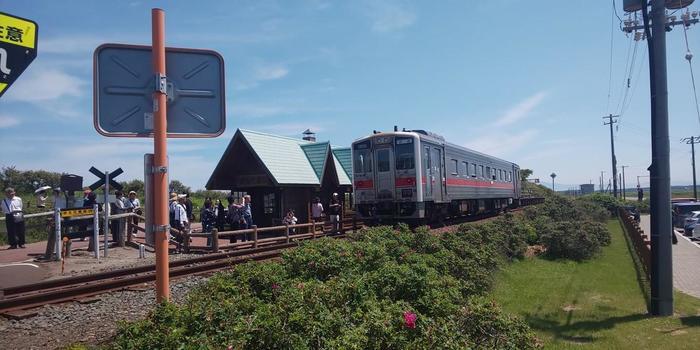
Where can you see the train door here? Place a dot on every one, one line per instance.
(437, 173)
(427, 174)
(385, 173)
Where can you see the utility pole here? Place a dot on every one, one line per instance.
(692, 141)
(602, 184)
(610, 122)
(660, 170)
(624, 186)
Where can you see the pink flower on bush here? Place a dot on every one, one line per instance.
(409, 318)
(275, 286)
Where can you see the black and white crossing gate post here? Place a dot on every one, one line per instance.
(105, 179)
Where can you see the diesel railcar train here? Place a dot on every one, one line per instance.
(416, 176)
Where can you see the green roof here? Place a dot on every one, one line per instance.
(317, 153)
(344, 157)
(283, 157)
(288, 161)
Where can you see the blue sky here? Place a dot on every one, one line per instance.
(523, 80)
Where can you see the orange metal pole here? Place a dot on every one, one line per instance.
(160, 159)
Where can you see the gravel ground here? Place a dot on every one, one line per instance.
(57, 326)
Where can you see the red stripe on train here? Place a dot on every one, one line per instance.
(477, 183)
(405, 181)
(364, 184)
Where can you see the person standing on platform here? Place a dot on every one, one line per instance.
(246, 214)
(189, 208)
(171, 208)
(132, 204)
(14, 218)
(334, 210)
(640, 194)
(317, 210)
(208, 218)
(117, 207)
(181, 221)
(233, 217)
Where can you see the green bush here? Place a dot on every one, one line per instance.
(355, 294)
(568, 240)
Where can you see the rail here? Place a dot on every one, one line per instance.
(640, 240)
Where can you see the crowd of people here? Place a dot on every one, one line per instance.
(235, 214)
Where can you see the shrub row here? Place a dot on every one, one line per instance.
(381, 289)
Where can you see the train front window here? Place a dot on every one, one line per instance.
(363, 158)
(383, 164)
(405, 158)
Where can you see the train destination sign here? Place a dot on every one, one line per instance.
(18, 47)
(124, 84)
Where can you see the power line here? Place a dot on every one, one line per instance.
(612, 30)
(689, 57)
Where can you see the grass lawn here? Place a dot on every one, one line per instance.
(594, 305)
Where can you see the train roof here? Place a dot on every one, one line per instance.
(431, 136)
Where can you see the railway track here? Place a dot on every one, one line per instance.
(28, 296)
(68, 289)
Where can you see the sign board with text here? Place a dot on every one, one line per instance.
(18, 47)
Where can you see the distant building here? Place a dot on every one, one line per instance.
(282, 173)
(587, 189)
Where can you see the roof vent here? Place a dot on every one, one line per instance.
(309, 136)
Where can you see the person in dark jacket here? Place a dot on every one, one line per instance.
(189, 208)
(208, 219)
(334, 210)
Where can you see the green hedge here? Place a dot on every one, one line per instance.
(382, 289)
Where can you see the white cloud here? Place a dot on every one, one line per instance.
(500, 145)
(289, 129)
(260, 74)
(45, 84)
(521, 110)
(271, 73)
(388, 16)
(7, 121)
(261, 111)
(74, 44)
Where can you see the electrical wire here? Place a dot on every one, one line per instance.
(689, 57)
(612, 32)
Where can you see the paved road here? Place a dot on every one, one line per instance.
(686, 262)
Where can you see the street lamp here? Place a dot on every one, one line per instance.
(553, 175)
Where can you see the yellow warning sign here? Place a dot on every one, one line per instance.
(17, 31)
(18, 47)
(76, 212)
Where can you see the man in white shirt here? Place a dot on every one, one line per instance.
(14, 218)
(133, 205)
(181, 221)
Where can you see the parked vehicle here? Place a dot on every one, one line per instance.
(682, 211)
(633, 211)
(690, 223)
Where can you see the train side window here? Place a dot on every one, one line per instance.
(454, 169)
(465, 165)
(510, 176)
(473, 170)
(488, 172)
(481, 171)
(500, 175)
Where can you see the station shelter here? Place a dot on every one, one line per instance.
(280, 173)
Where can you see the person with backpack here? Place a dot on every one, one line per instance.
(208, 219)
